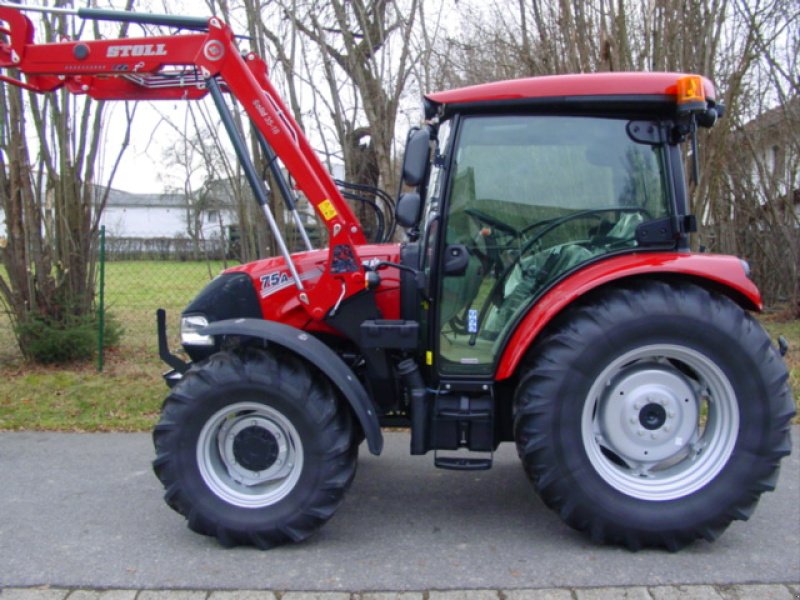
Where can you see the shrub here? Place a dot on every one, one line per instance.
(46, 341)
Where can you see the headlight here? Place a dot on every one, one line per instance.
(190, 326)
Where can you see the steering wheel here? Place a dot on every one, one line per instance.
(491, 257)
(482, 217)
(550, 225)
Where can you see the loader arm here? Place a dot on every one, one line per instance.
(187, 67)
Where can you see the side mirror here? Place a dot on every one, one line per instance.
(407, 210)
(417, 155)
(707, 118)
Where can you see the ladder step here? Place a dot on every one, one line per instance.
(462, 464)
(475, 415)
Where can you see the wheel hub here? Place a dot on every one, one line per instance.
(649, 413)
(653, 416)
(250, 454)
(255, 448)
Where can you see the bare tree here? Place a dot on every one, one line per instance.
(355, 38)
(750, 50)
(51, 205)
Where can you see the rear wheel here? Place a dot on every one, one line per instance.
(653, 415)
(254, 449)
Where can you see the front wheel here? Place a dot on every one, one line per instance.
(253, 448)
(653, 414)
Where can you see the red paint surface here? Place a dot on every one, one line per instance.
(281, 303)
(556, 86)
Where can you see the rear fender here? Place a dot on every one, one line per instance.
(724, 274)
(317, 354)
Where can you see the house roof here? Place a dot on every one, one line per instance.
(220, 197)
(776, 118)
(121, 199)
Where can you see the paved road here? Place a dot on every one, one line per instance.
(85, 511)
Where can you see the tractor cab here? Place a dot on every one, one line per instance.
(520, 193)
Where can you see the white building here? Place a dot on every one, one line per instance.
(145, 215)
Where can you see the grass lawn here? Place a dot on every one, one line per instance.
(127, 395)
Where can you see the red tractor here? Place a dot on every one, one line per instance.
(545, 294)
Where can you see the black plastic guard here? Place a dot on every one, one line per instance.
(319, 355)
(666, 230)
(163, 348)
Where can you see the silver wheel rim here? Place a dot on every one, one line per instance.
(660, 422)
(243, 478)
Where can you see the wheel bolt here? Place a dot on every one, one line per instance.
(637, 405)
(640, 433)
(652, 436)
(666, 428)
(633, 420)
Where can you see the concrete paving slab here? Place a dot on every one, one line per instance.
(391, 596)
(543, 594)
(618, 593)
(464, 595)
(172, 595)
(242, 595)
(684, 592)
(32, 594)
(756, 592)
(315, 596)
(103, 595)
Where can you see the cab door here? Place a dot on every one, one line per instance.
(533, 198)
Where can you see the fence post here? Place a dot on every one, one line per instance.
(101, 308)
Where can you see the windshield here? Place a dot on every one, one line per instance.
(527, 169)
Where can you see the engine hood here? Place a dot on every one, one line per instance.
(276, 291)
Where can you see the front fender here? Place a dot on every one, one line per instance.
(319, 355)
(725, 274)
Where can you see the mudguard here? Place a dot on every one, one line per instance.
(725, 274)
(318, 354)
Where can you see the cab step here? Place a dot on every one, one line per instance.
(457, 463)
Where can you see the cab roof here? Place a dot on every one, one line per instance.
(596, 87)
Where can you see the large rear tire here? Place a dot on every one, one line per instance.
(653, 415)
(254, 449)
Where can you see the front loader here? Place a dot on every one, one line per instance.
(545, 293)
